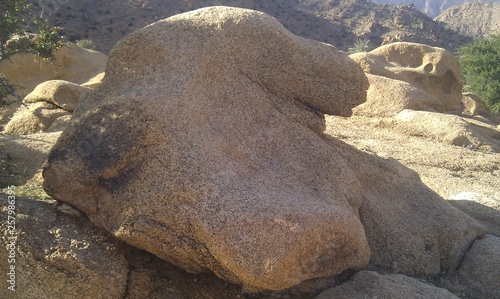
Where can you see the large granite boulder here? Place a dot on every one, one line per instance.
(204, 146)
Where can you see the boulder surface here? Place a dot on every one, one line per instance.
(368, 284)
(58, 256)
(204, 146)
(434, 70)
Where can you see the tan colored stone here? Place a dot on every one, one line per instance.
(368, 284)
(450, 129)
(480, 273)
(387, 97)
(94, 82)
(410, 229)
(206, 149)
(32, 119)
(59, 256)
(203, 148)
(434, 70)
(483, 208)
(63, 94)
(21, 157)
(473, 105)
(71, 63)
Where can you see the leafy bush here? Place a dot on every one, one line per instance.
(481, 70)
(16, 19)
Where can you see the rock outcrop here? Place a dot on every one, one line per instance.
(433, 70)
(480, 271)
(50, 101)
(474, 19)
(206, 149)
(58, 256)
(417, 89)
(62, 94)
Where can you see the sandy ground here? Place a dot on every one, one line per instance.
(447, 169)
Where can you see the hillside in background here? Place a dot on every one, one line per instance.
(472, 19)
(430, 7)
(336, 22)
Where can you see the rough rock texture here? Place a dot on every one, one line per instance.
(387, 97)
(412, 86)
(203, 149)
(153, 278)
(50, 101)
(58, 256)
(368, 284)
(479, 274)
(21, 157)
(72, 63)
(206, 151)
(474, 107)
(450, 129)
(63, 94)
(431, 69)
(94, 82)
(483, 208)
(396, 207)
(33, 118)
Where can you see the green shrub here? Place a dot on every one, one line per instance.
(86, 44)
(360, 45)
(481, 70)
(16, 18)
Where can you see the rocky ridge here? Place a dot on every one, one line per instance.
(339, 23)
(432, 8)
(473, 19)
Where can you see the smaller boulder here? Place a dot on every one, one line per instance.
(33, 118)
(434, 70)
(71, 63)
(480, 271)
(22, 157)
(63, 94)
(387, 97)
(368, 284)
(48, 102)
(474, 105)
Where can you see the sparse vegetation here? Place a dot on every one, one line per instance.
(86, 44)
(360, 45)
(481, 70)
(16, 20)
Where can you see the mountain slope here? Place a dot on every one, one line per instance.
(472, 19)
(430, 7)
(338, 22)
